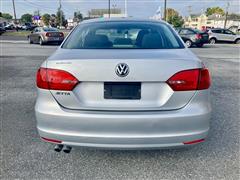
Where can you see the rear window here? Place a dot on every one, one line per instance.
(217, 31)
(50, 29)
(197, 31)
(123, 35)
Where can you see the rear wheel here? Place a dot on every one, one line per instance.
(237, 41)
(212, 41)
(188, 43)
(29, 40)
(41, 41)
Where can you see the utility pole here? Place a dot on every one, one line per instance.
(165, 10)
(189, 18)
(14, 12)
(226, 15)
(60, 10)
(109, 8)
(189, 10)
(126, 13)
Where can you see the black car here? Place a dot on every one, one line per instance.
(193, 37)
(2, 30)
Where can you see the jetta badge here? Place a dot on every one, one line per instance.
(122, 70)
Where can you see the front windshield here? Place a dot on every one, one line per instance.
(123, 35)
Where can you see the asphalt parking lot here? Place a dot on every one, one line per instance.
(25, 156)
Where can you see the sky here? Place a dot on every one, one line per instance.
(136, 8)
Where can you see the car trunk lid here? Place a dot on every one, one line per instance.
(150, 69)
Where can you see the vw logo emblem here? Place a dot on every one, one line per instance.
(122, 70)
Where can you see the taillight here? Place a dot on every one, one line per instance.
(204, 81)
(55, 79)
(198, 36)
(48, 34)
(61, 34)
(189, 80)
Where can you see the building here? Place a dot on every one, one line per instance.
(97, 13)
(196, 21)
(201, 21)
(71, 23)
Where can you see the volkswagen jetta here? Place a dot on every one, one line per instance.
(122, 83)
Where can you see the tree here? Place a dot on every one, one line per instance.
(6, 16)
(174, 18)
(26, 18)
(46, 19)
(60, 17)
(214, 10)
(78, 16)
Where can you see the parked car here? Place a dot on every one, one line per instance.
(44, 35)
(193, 36)
(10, 27)
(2, 30)
(105, 87)
(28, 26)
(223, 35)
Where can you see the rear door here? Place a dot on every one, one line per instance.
(35, 35)
(218, 34)
(228, 35)
(186, 34)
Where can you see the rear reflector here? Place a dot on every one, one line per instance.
(189, 80)
(52, 140)
(194, 142)
(55, 79)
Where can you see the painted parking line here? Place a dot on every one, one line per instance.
(15, 42)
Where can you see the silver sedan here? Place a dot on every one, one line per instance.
(44, 35)
(122, 83)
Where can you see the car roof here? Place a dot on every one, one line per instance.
(105, 20)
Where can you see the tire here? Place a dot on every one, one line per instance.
(212, 41)
(29, 40)
(199, 45)
(41, 41)
(188, 43)
(237, 41)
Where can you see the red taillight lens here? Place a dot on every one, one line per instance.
(189, 80)
(198, 36)
(61, 34)
(204, 79)
(55, 79)
(48, 34)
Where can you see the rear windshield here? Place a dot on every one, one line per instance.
(50, 29)
(123, 35)
(198, 31)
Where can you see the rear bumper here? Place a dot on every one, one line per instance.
(129, 130)
(201, 41)
(53, 39)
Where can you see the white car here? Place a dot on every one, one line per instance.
(223, 35)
